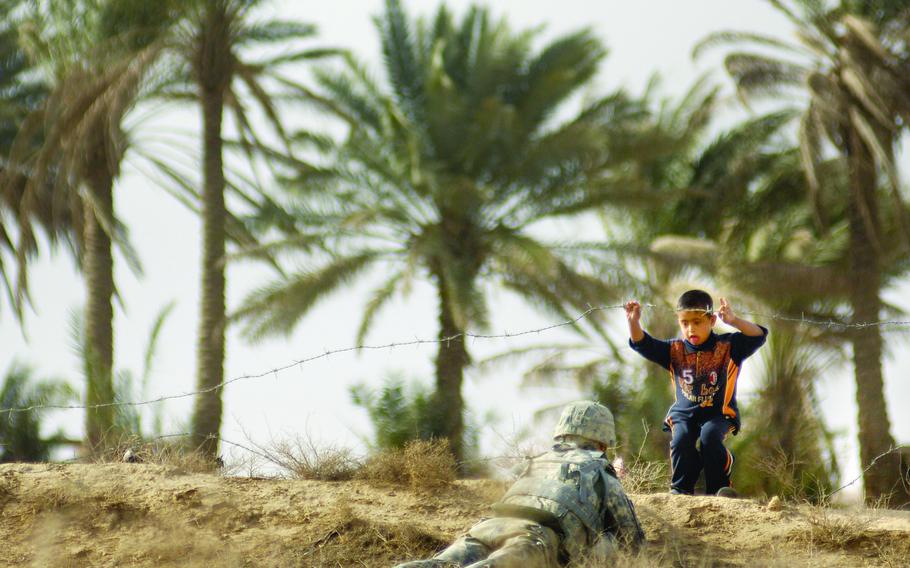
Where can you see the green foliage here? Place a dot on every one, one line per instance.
(639, 399)
(400, 412)
(787, 449)
(137, 23)
(128, 386)
(20, 94)
(21, 436)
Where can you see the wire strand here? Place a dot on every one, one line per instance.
(418, 342)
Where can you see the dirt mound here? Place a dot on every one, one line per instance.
(148, 515)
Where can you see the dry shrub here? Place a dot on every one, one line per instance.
(646, 477)
(826, 529)
(158, 452)
(385, 467)
(790, 478)
(429, 463)
(892, 553)
(422, 464)
(305, 459)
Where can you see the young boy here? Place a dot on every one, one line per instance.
(704, 367)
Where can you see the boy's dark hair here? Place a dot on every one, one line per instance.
(695, 300)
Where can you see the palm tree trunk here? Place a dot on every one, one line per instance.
(98, 267)
(874, 427)
(212, 74)
(451, 359)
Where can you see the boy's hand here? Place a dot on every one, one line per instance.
(633, 311)
(725, 312)
(726, 315)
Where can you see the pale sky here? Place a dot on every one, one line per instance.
(643, 37)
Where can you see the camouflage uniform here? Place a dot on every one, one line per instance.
(566, 505)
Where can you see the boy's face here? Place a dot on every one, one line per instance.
(695, 325)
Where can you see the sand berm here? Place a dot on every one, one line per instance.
(75, 515)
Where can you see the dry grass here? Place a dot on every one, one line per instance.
(303, 458)
(388, 544)
(646, 477)
(828, 529)
(891, 554)
(158, 452)
(422, 464)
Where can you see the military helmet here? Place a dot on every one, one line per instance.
(589, 420)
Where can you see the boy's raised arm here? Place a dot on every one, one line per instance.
(633, 316)
(729, 317)
(648, 347)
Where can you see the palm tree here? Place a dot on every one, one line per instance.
(445, 175)
(214, 39)
(20, 96)
(95, 71)
(21, 438)
(851, 64)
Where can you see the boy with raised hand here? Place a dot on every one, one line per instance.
(704, 367)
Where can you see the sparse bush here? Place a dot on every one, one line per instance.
(162, 451)
(429, 463)
(386, 467)
(422, 464)
(829, 530)
(646, 476)
(403, 412)
(792, 479)
(305, 459)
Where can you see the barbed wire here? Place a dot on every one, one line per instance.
(297, 363)
(891, 450)
(418, 342)
(826, 323)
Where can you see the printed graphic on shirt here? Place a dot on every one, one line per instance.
(700, 376)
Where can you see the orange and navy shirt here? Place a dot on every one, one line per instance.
(704, 375)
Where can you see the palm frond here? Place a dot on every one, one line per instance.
(273, 31)
(379, 298)
(757, 74)
(276, 308)
(727, 38)
(400, 54)
(558, 71)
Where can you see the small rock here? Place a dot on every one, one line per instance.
(187, 496)
(774, 504)
(130, 457)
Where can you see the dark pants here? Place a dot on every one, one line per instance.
(687, 460)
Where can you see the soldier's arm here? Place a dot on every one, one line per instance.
(617, 505)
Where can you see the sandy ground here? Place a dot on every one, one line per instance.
(149, 515)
